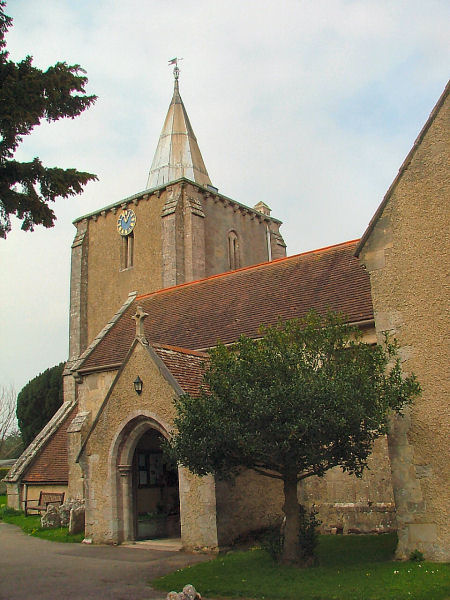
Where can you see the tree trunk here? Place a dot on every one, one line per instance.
(291, 550)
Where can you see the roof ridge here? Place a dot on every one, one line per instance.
(247, 268)
(180, 349)
(75, 364)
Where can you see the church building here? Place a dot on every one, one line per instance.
(159, 277)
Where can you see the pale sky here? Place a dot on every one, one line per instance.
(309, 106)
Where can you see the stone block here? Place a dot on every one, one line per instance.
(422, 532)
(64, 513)
(76, 521)
(51, 519)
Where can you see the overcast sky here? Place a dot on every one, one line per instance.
(310, 106)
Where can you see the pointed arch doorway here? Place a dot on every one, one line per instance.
(145, 494)
(156, 498)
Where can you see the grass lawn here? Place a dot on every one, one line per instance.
(32, 525)
(350, 568)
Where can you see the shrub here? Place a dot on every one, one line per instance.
(308, 532)
(273, 541)
(308, 535)
(7, 510)
(416, 556)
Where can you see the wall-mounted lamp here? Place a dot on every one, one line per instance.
(138, 385)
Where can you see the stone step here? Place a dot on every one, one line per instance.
(164, 544)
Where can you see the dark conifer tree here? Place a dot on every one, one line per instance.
(38, 401)
(27, 96)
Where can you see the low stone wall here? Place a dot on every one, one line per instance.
(357, 517)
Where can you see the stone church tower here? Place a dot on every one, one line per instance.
(179, 229)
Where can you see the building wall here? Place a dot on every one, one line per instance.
(345, 503)
(107, 467)
(251, 229)
(249, 502)
(109, 283)
(91, 391)
(181, 235)
(348, 504)
(406, 255)
(33, 491)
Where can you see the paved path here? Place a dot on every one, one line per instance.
(31, 568)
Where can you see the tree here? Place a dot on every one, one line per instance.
(38, 401)
(29, 95)
(8, 428)
(12, 445)
(305, 397)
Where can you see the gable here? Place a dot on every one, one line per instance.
(165, 371)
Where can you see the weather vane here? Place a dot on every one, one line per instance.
(176, 70)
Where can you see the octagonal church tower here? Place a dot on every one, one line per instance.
(179, 229)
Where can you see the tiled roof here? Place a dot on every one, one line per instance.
(51, 463)
(187, 366)
(196, 315)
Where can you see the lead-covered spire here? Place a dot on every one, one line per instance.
(177, 154)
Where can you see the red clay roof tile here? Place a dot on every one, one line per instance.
(186, 366)
(196, 315)
(50, 465)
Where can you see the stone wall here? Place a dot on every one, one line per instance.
(406, 255)
(348, 504)
(247, 503)
(107, 459)
(345, 503)
(181, 235)
(108, 283)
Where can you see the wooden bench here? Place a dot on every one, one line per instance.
(45, 498)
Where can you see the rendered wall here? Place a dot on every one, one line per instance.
(251, 229)
(406, 255)
(33, 491)
(196, 225)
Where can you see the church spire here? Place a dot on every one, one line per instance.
(177, 154)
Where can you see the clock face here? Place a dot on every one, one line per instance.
(126, 221)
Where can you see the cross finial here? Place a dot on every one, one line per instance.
(139, 318)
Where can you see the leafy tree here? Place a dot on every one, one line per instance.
(8, 427)
(307, 396)
(27, 96)
(12, 446)
(38, 401)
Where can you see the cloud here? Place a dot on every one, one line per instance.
(308, 106)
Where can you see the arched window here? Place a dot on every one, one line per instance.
(234, 258)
